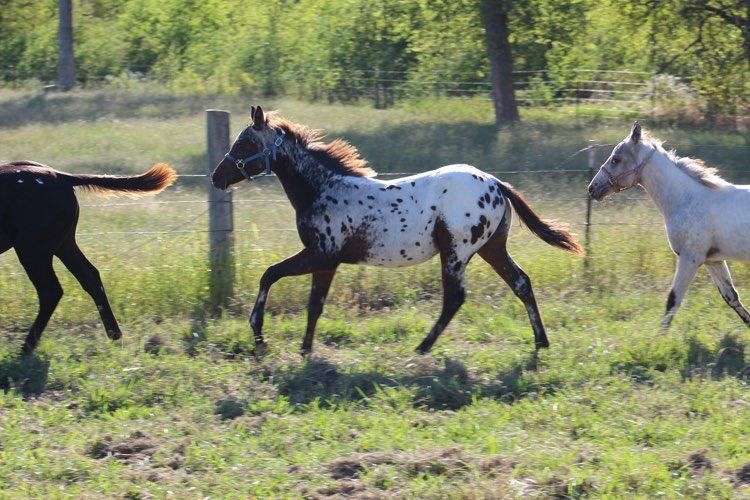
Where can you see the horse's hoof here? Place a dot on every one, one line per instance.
(114, 334)
(421, 350)
(542, 344)
(261, 349)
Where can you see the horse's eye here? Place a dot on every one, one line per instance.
(615, 160)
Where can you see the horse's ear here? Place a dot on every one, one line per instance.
(259, 118)
(635, 133)
(252, 111)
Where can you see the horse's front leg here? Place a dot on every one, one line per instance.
(687, 266)
(304, 262)
(321, 283)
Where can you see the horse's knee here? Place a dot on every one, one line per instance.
(315, 308)
(266, 280)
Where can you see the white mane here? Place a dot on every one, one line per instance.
(693, 167)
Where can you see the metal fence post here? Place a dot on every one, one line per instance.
(587, 227)
(220, 215)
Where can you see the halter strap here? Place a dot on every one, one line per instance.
(267, 154)
(613, 179)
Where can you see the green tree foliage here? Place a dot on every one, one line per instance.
(337, 49)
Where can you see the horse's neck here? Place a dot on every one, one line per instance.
(301, 177)
(667, 185)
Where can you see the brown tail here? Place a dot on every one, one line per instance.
(550, 231)
(159, 177)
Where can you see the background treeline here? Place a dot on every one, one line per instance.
(334, 48)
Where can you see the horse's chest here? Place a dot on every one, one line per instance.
(687, 234)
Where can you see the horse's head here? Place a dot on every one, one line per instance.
(251, 153)
(622, 170)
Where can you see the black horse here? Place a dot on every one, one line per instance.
(38, 218)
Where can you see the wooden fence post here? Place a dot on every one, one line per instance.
(220, 216)
(66, 69)
(587, 227)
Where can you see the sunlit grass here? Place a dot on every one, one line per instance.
(615, 408)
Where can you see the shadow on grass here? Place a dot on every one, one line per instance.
(727, 359)
(25, 374)
(448, 388)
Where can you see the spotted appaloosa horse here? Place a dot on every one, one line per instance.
(38, 218)
(345, 216)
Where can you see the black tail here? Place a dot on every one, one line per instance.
(159, 177)
(550, 231)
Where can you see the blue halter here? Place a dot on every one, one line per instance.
(266, 155)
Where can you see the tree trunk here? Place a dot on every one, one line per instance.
(66, 66)
(495, 18)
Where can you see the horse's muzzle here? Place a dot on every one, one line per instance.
(218, 180)
(596, 193)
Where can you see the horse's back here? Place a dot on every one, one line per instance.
(465, 199)
(36, 205)
(446, 173)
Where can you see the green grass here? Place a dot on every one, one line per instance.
(615, 408)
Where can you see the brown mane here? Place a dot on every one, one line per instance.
(338, 155)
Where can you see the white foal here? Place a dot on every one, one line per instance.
(707, 218)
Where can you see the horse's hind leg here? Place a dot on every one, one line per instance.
(88, 276)
(496, 255)
(719, 272)
(321, 283)
(454, 290)
(38, 267)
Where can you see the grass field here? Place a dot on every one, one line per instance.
(615, 408)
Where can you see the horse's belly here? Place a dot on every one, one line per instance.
(730, 251)
(401, 254)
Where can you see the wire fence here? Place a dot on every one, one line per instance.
(619, 90)
(197, 222)
(260, 202)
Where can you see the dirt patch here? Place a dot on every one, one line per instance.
(154, 345)
(699, 462)
(349, 488)
(252, 424)
(447, 462)
(136, 448)
(177, 460)
(496, 466)
(556, 487)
